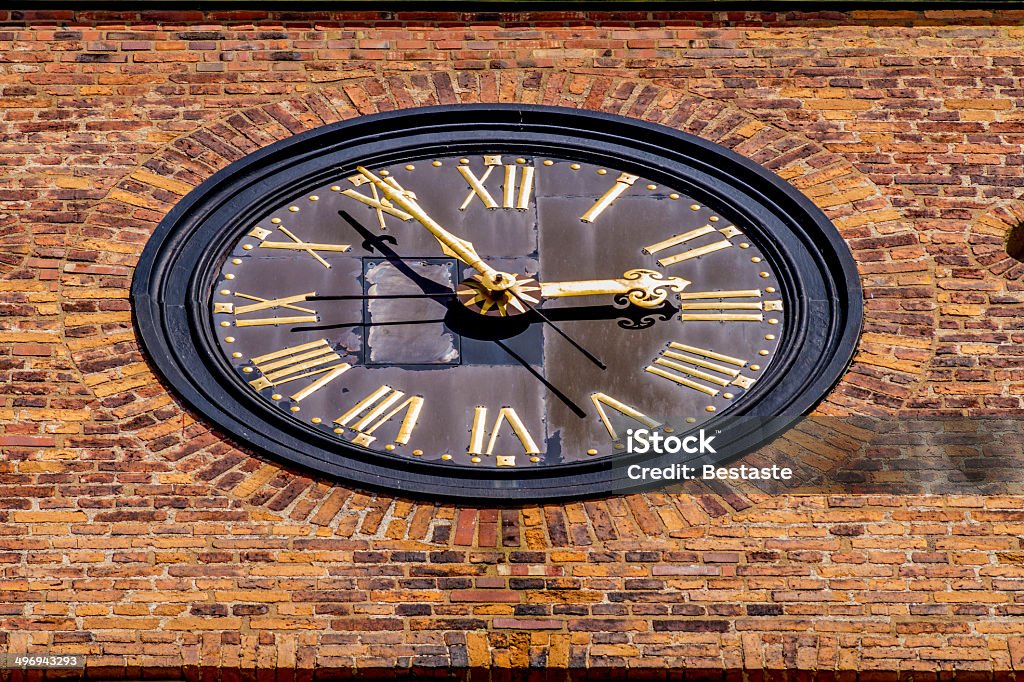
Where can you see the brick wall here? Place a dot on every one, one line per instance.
(132, 532)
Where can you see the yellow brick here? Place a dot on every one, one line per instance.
(54, 415)
(100, 340)
(255, 481)
(27, 337)
(838, 104)
(72, 182)
(170, 184)
(894, 340)
(108, 246)
(614, 650)
(133, 199)
(558, 653)
(160, 430)
(291, 569)
(120, 623)
(269, 596)
(48, 516)
(108, 292)
(174, 478)
(285, 624)
(967, 597)
(888, 362)
(478, 649)
(196, 623)
(21, 286)
(41, 467)
(979, 103)
(97, 318)
(112, 387)
(750, 128)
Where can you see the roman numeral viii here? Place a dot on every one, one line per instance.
(376, 409)
(313, 359)
(725, 306)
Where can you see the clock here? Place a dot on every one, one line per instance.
(483, 302)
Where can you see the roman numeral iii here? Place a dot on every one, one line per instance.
(517, 186)
(702, 306)
(700, 369)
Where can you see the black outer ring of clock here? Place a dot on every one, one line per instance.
(173, 282)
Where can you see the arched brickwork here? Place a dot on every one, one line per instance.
(987, 240)
(136, 535)
(977, 360)
(104, 348)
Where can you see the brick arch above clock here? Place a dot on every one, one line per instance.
(190, 455)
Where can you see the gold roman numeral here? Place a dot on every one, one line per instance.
(287, 302)
(479, 432)
(514, 195)
(297, 244)
(685, 365)
(602, 400)
(696, 306)
(315, 358)
(685, 237)
(375, 201)
(376, 409)
(622, 183)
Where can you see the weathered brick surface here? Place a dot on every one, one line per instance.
(133, 532)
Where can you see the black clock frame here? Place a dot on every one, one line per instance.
(173, 282)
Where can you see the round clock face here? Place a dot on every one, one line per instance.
(477, 302)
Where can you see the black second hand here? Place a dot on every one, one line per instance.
(590, 356)
(357, 297)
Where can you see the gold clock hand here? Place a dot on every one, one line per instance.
(644, 288)
(450, 244)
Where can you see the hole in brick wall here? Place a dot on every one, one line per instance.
(1015, 242)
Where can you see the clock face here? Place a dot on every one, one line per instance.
(489, 311)
(349, 315)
